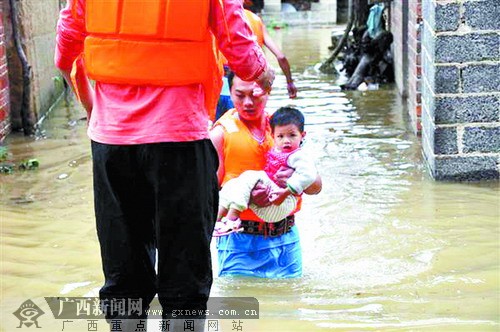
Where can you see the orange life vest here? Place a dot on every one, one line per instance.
(242, 152)
(256, 25)
(153, 42)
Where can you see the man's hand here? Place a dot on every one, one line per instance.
(282, 176)
(77, 79)
(260, 194)
(292, 90)
(314, 188)
(265, 80)
(278, 196)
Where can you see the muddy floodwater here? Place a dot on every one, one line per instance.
(384, 246)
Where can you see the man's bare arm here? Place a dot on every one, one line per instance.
(83, 86)
(217, 138)
(282, 61)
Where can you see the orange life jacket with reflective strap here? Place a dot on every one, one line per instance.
(153, 42)
(242, 152)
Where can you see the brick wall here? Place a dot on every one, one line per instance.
(415, 63)
(461, 89)
(406, 27)
(4, 83)
(399, 46)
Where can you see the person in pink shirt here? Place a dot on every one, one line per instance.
(154, 166)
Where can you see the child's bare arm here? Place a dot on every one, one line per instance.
(279, 195)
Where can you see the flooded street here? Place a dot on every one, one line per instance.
(384, 246)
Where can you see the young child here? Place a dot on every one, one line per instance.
(287, 127)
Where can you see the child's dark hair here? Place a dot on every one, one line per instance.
(285, 116)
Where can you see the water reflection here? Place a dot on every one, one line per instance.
(384, 246)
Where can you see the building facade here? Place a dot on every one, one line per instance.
(447, 63)
(36, 35)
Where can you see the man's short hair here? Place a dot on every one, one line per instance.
(230, 76)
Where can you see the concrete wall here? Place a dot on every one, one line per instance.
(461, 89)
(40, 47)
(37, 24)
(309, 17)
(322, 12)
(4, 83)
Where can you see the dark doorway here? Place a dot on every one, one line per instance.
(342, 11)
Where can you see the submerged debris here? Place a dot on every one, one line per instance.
(29, 164)
(8, 167)
(63, 176)
(366, 55)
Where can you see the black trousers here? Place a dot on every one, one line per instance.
(156, 196)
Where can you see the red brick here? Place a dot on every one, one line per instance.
(4, 81)
(419, 127)
(3, 112)
(418, 110)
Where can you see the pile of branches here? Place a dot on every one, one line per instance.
(364, 59)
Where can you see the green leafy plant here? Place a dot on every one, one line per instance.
(8, 167)
(4, 152)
